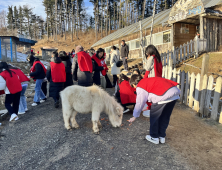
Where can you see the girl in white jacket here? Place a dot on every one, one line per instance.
(115, 57)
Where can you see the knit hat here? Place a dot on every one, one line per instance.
(79, 48)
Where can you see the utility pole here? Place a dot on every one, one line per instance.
(154, 10)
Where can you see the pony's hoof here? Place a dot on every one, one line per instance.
(68, 128)
(96, 133)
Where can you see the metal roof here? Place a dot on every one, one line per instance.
(160, 18)
(211, 3)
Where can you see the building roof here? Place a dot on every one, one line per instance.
(160, 18)
(211, 3)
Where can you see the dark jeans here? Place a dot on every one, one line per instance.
(56, 99)
(44, 88)
(160, 118)
(114, 79)
(12, 102)
(125, 64)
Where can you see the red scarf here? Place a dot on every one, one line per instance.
(157, 69)
(101, 63)
(84, 61)
(33, 67)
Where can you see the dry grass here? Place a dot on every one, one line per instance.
(215, 64)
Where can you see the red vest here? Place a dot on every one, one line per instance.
(157, 69)
(156, 85)
(84, 61)
(13, 83)
(33, 67)
(127, 94)
(58, 72)
(22, 76)
(101, 63)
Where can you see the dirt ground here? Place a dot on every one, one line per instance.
(38, 140)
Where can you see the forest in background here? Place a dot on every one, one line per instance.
(70, 17)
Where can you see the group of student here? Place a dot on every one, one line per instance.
(148, 89)
(144, 89)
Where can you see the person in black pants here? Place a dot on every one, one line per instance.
(124, 54)
(10, 83)
(44, 87)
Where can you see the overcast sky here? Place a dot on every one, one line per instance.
(37, 5)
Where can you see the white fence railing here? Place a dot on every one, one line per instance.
(200, 94)
(185, 51)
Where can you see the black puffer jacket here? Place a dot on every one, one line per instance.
(124, 51)
(39, 71)
(96, 76)
(54, 88)
(68, 65)
(84, 77)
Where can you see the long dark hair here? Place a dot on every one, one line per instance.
(135, 79)
(113, 47)
(98, 51)
(4, 65)
(123, 77)
(151, 50)
(137, 70)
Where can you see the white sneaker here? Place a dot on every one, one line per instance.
(42, 101)
(127, 110)
(21, 113)
(26, 109)
(162, 140)
(13, 117)
(35, 104)
(153, 140)
(146, 113)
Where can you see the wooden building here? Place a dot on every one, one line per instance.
(172, 28)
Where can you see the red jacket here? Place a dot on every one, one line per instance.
(156, 85)
(101, 63)
(157, 69)
(13, 83)
(22, 76)
(58, 72)
(84, 62)
(127, 93)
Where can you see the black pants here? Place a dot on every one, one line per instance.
(44, 88)
(125, 64)
(12, 102)
(114, 79)
(160, 118)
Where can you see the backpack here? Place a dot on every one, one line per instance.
(119, 63)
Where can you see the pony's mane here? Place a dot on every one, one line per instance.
(111, 103)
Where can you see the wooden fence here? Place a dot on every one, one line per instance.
(199, 93)
(179, 54)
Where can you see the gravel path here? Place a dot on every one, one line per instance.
(38, 140)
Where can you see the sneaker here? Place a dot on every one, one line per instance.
(26, 109)
(127, 110)
(56, 104)
(153, 140)
(43, 100)
(162, 140)
(35, 104)
(13, 117)
(21, 113)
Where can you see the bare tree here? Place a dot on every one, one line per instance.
(56, 20)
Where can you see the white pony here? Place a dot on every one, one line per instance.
(93, 99)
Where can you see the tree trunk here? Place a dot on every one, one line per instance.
(78, 19)
(109, 19)
(107, 12)
(47, 24)
(95, 20)
(119, 14)
(126, 20)
(101, 18)
(72, 22)
(144, 6)
(56, 19)
(65, 19)
(133, 14)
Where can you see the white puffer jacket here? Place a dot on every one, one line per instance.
(115, 57)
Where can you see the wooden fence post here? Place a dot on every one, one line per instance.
(203, 95)
(188, 51)
(182, 86)
(208, 96)
(197, 92)
(175, 74)
(192, 83)
(166, 72)
(216, 100)
(196, 47)
(186, 94)
(163, 72)
(204, 68)
(178, 78)
(181, 55)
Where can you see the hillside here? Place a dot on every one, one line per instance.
(86, 40)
